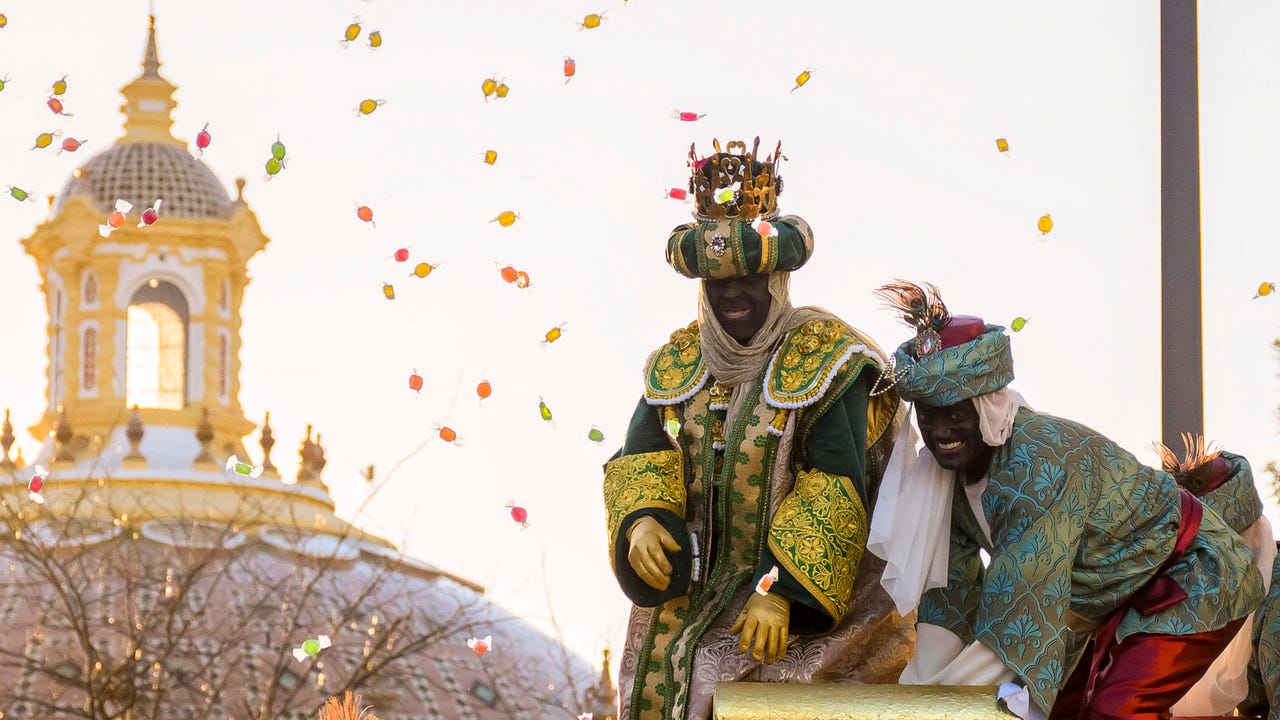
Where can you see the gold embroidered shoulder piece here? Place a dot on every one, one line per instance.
(806, 362)
(675, 372)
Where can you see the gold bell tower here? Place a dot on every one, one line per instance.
(145, 315)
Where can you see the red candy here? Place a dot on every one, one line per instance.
(402, 255)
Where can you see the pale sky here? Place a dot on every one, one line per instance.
(891, 158)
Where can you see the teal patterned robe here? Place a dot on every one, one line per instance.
(1264, 666)
(1078, 525)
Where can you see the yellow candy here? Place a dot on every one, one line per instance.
(592, 21)
(502, 90)
(1265, 289)
(489, 86)
(367, 106)
(802, 78)
(507, 218)
(352, 32)
(388, 292)
(490, 157)
(60, 86)
(423, 269)
(375, 39)
(723, 195)
(553, 334)
(1002, 145)
(1044, 224)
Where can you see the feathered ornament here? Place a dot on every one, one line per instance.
(1197, 471)
(348, 709)
(921, 308)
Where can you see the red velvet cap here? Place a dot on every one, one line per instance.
(961, 329)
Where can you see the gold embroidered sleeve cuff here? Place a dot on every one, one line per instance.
(818, 535)
(638, 482)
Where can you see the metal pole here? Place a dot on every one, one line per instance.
(1181, 358)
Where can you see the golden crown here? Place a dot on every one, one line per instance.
(735, 186)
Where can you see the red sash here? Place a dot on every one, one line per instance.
(1159, 593)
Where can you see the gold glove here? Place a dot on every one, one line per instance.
(648, 541)
(765, 618)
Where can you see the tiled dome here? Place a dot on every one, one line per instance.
(142, 172)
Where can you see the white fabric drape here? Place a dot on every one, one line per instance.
(911, 525)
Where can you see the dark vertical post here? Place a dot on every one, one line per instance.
(1181, 357)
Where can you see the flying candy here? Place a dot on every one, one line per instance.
(3, 20)
(71, 145)
(595, 435)
(150, 215)
(368, 105)
(1002, 145)
(553, 334)
(1044, 224)
(502, 90)
(678, 194)
(388, 292)
(401, 255)
(686, 116)
(273, 167)
(490, 157)
(508, 273)
(766, 229)
(59, 86)
(45, 139)
(447, 434)
(19, 194)
(1265, 289)
(4, 79)
(423, 269)
(672, 426)
(116, 219)
(481, 646)
(489, 87)
(522, 280)
(375, 39)
(484, 390)
(366, 214)
(203, 138)
(767, 581)
(310, 648)
(585, 716)
(277, 150)
(592, 21)
(506, 218)
(243, 468)
(545, 413)
(36, 484)
(570, 67)
(1018, 323)
(56, 106)
(351, 33)
(802, 78)
(519, 514)
(415, 382)
(725, 194)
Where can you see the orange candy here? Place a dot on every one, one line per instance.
(509, 274)
(364, 213)
(570, 67)
(447, 434)
(415, 382)
(522, 279)
(484, 389)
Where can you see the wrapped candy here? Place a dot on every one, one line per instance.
(116, 219)
(243, 468)
(150, 215)
(481, 645)
(767, 581)
(311, 647)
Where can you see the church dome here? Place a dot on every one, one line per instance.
(141, 173)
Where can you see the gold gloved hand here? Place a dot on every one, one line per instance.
(647, 557)
(765, 618)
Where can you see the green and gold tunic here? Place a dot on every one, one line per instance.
(785, 483)
(1078, 525)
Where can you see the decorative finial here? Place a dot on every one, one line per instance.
(267, 441)
(151, 57)
(134, 431)
(317, 458)
(63, 435)
(305, 454)
(6, 442)
(204, 433)
(240, 183)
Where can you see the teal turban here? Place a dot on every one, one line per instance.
(952, 374)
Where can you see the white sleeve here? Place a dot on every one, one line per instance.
(941, 658)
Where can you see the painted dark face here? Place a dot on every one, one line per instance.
(740, 304)
(953, 436)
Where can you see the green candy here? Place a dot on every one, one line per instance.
(1018, 323)
(673, 427)
(595, 436)
(310, 647)
(273, 166)
(544, 411)
(18, 193)
(277, 150)
(243, 468)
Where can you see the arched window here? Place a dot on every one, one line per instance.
(89, 359)
(222, 366)
(90, 289)
(156, 350)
